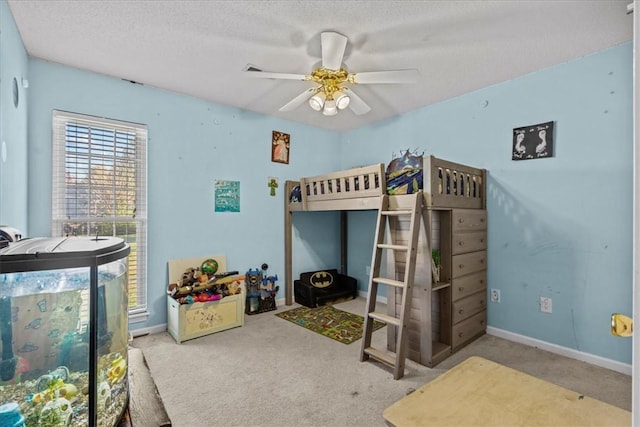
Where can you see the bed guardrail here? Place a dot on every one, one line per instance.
(448, 184)
(362, 182)
(445, 184)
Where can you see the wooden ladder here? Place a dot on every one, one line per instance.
(395, 360)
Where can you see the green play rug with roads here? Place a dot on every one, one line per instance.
(328, 321)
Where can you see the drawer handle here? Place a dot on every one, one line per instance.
(461, 289)
(460, 335)
(461, 220)
(461, 243)
(481, 219)
(460, 311)
(482, 322)
(461, 266)
(481, 240)
(481, 261)
(481, 302)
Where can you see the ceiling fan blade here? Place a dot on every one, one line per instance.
(269, 75)
(390, 77)
(333, 47)
(298, 100)
(357, 105)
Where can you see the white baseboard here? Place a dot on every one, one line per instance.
(156, 329)
(614, 365)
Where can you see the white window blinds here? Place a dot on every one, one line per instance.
(99, 188)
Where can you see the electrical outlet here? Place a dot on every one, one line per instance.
(368, 270)
(495, 295)
(545, 305)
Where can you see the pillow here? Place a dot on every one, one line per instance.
(319, 279)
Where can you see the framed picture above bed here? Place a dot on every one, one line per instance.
(280, 145)
(532, 142)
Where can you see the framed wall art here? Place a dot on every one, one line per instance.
(280, 146)
(227, 196)
(532, 142)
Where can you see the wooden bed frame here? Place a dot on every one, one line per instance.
(453, 201)
(445, 185)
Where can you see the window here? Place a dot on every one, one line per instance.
(99, 188)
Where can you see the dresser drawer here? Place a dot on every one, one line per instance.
(469, 329)
(469, 284)
(469, 306)
(468, 242)
(468, 263)
(468, 220)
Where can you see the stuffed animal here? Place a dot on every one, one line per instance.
(187, 277)
(235, 287)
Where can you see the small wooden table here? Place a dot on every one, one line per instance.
(480, 392)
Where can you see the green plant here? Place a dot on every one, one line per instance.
(38, 418)
(435, 254)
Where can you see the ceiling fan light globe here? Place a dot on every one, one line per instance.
(314, 104)
(330, 108)
(317, 101)
(342, 100)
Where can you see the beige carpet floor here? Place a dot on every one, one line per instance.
(271, 372)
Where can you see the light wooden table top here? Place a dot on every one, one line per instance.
(479, 392)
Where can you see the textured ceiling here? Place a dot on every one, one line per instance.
(200, 48)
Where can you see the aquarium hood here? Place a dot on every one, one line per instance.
(60, 252)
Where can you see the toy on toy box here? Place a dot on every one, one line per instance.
(204, 284)
(209, 266)
(234, 287)
(261, 291)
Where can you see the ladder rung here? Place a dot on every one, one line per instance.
(389, 320)
(393, 247)
(390, 282)
(395, 213)
(381, 356)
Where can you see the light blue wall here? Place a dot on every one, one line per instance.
(13, 124)
(192, 143)
(558, 227)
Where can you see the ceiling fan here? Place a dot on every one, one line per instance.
(331, 91)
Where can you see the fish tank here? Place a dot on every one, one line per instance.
(64, 332)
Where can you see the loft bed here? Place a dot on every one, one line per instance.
(448, 310)
(445, 185)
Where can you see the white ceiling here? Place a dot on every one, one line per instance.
(200, 48)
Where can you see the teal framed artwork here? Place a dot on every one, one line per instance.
(227, 196)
